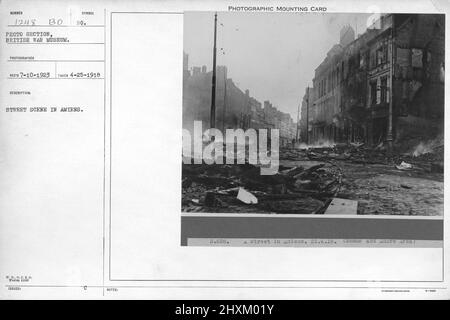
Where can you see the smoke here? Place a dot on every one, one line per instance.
(430, 146)
(319, 144)
(422, 148)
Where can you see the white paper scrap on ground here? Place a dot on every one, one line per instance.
(404, 166)
(246, 197)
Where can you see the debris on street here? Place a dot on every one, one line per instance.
(339, 179)
(246, 197)
(404, 166)
(306, 188)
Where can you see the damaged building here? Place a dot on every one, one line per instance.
(384, 85)
(234, 107)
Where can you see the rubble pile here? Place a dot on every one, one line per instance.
(432, 161)
(241, 188)
(356, 153)
(307, 180)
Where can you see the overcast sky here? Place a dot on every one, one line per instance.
(271, 54)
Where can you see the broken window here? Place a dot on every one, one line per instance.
(381, 55)
(378, 91)
(403, 57)
(366, 59)
(373, 62)
(386, 52)
(378, 53)
(361, 60)
(373, 92)
(383, 89)
(416, 58)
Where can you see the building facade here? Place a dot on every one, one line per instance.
(304, 129)
(374, 88)
(234, 108)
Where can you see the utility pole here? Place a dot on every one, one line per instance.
(298, 123)
(212, 121)
(307, 115)
(224, 100)
(389, 136)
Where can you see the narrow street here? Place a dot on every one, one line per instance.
(309, 179)
(360, 119)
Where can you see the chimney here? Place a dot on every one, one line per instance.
(347, 35)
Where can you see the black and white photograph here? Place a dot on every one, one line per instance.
(330, 114)
(312, 139)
